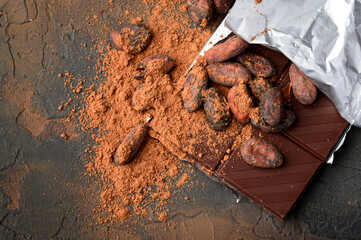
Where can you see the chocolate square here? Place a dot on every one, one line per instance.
(275, 189)
(318, 126)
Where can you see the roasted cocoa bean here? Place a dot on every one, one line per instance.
(130, 145)
(260, 153)
(132, 39)
(196, 83)
(228, 73)
(303, 88)
(200, 11)
(240, 102)
(287, 120)
(256, 64)
(155, 63)
(216, 109)
(271, 106)
(227, 49)
(259, 86)
(222, 6)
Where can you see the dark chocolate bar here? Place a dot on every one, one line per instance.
(305, 147)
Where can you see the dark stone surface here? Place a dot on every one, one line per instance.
(38, 40)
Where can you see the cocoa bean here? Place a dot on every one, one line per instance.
(271, 106)
(259, 86)
(222, 6)
(240, 102)
(260, 153)
(130, 145)
(256, 64)
(303, 88)
(216, 109)
(194, 87)
(200, 11)
(227, 49)
(287, 120)
(157, 63)
(133, 38)
(228, 73)
(287, 93)
(137, 101)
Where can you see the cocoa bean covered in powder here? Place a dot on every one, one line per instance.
(157, 63)
(240, 102)
(195, 85)
(130, 144)
(256, 64)
(259, 86)
(132, 39)
(216, 109)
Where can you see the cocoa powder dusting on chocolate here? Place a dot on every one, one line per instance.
(245, 134)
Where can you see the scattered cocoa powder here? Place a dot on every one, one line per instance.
(147, 180)
(242, 99)
(183, 179)
(10, 183)
(245, 134)
(144, 185)
(261, 33)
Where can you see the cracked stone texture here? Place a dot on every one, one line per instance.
(50, 198)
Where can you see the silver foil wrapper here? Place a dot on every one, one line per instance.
(322, 37)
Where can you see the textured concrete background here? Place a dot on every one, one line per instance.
(49, 197)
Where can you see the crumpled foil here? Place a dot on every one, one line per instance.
(322, 37)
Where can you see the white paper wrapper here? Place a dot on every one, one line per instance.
(322, 37)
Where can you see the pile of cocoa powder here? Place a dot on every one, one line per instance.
(143, 186)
